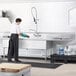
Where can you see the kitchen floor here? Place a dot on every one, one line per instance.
(63, 70)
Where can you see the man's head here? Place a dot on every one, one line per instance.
(18, 21)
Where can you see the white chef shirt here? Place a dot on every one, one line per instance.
(15, 29)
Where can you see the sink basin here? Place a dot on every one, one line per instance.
(37, 34)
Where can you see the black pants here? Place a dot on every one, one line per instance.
(13, 47)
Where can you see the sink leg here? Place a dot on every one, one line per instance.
(46, 55)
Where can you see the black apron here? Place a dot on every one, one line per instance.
(13, 47)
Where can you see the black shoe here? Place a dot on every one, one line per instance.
(17, 61)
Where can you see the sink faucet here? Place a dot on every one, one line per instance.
(36, 33)
(35, 19)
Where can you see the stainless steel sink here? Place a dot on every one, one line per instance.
(37, 34)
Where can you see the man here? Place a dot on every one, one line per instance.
(67, 50)
(14, 41)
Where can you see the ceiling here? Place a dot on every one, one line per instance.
(10, 1)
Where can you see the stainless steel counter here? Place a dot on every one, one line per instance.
(42, 45)
(47, 36)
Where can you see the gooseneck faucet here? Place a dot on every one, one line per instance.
(34, 15)
(35, 19)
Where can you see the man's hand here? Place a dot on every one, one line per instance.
(27, 36)
(24, 35)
